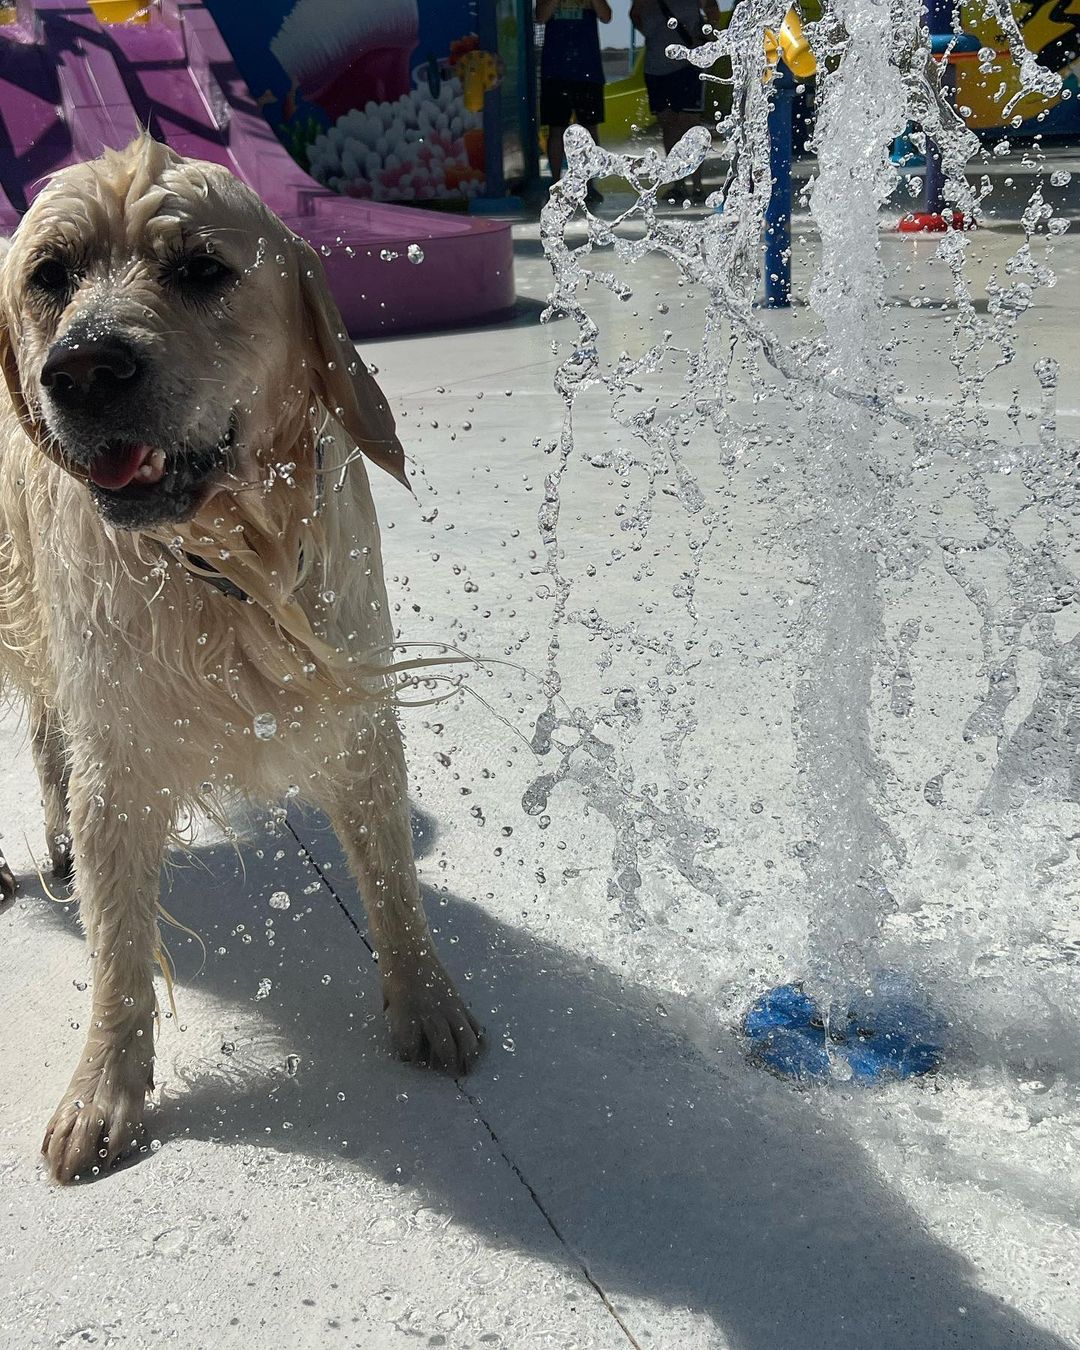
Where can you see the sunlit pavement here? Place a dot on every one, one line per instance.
(612, 1173)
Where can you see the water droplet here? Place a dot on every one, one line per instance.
(1046, 372)
(265, 726)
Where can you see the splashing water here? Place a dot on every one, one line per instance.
(915, 532)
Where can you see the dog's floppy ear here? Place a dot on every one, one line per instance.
(342, 382)
(10, 366)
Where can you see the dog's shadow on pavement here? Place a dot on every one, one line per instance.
(705, 1186)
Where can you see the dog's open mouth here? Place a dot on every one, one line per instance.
(136, 484)
(117, 467)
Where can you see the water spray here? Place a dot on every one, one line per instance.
(856, 449)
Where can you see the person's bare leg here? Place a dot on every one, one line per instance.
(673, 127)
(686, 120)
(668, 120)
(555, 151)
(594, 194)
(670, 136)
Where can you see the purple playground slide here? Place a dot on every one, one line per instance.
(71, 86)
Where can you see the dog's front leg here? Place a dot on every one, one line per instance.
(119, 826)
(51, 760)
(429, 1022)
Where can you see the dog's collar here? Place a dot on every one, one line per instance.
(215, 579)
(200, 569)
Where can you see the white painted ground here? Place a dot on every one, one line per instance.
(612, 1173)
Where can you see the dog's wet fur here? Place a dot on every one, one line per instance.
(179, 380)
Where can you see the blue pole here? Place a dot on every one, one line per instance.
(528, 129)
(943, 41)
(494, 200)
(488, 32)
(778, 211)
(935, 180)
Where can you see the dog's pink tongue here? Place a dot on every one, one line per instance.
(114, 469)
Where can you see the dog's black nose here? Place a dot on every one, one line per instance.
(90, 371)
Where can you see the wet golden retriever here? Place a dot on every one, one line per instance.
(191, 589)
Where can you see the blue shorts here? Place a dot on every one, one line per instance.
(681, 91)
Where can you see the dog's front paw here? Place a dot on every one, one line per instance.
(429, 1023)
(100, 1119)
(7, 881)
(63, 860)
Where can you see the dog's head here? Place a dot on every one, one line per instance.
(164, 336)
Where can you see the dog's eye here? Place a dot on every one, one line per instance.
(199, 272)
(51, 276)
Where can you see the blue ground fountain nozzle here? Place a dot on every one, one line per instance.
(874, 1038)
(787, 1034)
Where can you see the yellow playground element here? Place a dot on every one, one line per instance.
(478, 72)
(791, 44)
(1050, 30)
(121, 11)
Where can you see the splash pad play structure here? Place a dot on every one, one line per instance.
(73, 82)
(895, 510)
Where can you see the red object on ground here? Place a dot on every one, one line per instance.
(933, 222)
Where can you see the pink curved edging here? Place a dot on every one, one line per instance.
(176, 75)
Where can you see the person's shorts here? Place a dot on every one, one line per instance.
(681, 91)
(564, 101)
